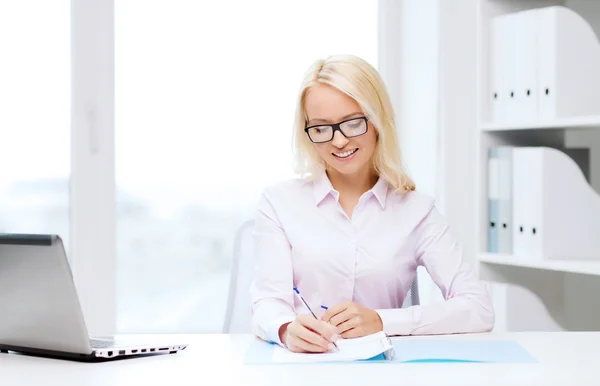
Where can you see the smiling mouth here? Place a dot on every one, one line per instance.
(345, 154)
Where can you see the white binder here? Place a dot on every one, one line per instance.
(568, 53)
(513, 67)
(498, 62)
(552, 53)
(556, 212)
(510, 64)
(526, 176)
(525, 71)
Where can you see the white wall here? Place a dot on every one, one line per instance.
(458, 117)
(409, 64)
(428, 60)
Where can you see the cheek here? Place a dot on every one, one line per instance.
(369, 142)
(322, 149)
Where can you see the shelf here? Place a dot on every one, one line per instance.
(571, 266)
(585, 122)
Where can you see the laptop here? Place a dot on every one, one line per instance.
(40, 312)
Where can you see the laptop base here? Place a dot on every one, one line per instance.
(47, 353)
(73, 356)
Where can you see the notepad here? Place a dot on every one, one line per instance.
(355, 349)
(377, 346)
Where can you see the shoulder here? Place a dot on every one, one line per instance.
(287, 199)
(412, 200)
(286, 192)
(292, 186)
(414, 208)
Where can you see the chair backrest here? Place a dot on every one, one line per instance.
(412, 296)
(238, 314)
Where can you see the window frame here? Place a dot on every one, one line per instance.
(93, 219)
(92, 182)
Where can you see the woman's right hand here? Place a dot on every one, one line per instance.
(307, 334)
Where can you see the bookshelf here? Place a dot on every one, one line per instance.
(580, 122)
(572, 282)
(578, 267)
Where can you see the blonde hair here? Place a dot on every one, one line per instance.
(359, 80)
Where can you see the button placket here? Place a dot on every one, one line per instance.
(354, 248)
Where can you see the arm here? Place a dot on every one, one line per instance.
(271, 291)
(467, 306)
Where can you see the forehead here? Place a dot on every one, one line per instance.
(324, 102)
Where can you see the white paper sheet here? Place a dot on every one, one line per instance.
(349, 350)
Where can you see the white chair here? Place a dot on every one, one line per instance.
(238, 315)
(412, 296)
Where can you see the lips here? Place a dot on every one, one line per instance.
(345, 154)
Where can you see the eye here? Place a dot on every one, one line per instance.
(320, 129)
(354, 124)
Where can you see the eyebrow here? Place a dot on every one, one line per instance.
(315, 120)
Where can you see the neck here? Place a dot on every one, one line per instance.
(353, 184)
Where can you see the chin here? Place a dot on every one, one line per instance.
(347, 169)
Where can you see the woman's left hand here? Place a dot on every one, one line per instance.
(353, 320)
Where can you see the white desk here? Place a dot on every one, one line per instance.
(564, 358)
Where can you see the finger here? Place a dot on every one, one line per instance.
(299, 344)
(310, 336)
(314, 338)
(341, 318)
(356, 332)
(325, 330)
(348, 325)
(332, 311)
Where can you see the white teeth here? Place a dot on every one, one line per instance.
(345, 154)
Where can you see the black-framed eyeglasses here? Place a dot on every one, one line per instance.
(349, 128)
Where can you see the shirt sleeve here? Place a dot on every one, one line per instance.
(271, 291)
(466, 307)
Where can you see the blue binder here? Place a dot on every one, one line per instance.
(505, 205)
(500, 222)
(493, 200)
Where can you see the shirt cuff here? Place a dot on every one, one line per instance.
(273, 331)
(397, 321)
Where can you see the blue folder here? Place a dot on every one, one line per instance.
(426, 351)
(452, 350)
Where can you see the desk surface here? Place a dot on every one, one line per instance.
(564, 358)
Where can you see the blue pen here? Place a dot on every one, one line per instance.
(304, 301)
(297, 292)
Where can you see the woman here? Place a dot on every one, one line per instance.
(353, 229)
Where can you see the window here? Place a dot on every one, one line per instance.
(35, 119)
(205, 99)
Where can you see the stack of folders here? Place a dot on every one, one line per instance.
(541, 205)
(543, 65)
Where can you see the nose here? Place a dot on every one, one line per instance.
(339, 140)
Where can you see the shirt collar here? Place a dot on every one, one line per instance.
(322, 188)
(380, 191)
